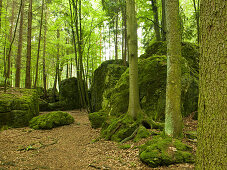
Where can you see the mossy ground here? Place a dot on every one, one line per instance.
(163, 150)
(51, 120)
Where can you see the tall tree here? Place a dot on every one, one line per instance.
(10, 39)
(134, 106)
(29, 48)
(156, 20)
(211, 150)
(19, 50)
(163, 30)
(0, 15)
(38, 50)
(173, 118)
(44, 55)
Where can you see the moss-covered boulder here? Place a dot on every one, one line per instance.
(163, 151)
(97, 119)
(69, 94)
(52, 95)
(51, 120)
(18, 107)
(152, 84)
(105, 78)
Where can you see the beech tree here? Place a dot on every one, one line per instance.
(173, 118)
(134, 106)
(211, 150)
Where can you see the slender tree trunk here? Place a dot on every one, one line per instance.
(211, 148)
(20, 44)
(116, 38)
(38, 51)
(0, 16)
(173, 118)
(44, 56)
(156, 20)
(196, 8)
(124, 35)
(29, 44)
(10, 39)
(134, 106)
(11, 43)
(163, 20)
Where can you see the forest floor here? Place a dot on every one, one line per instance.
(71, 147)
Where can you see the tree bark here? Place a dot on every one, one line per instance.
(196, 8)
(116, 38)
(156, 20)
(10, 39)
(29, 44)
(173, 118)
(20, 44)
(44, 56)
(134, 108)
(0, 15)
(163, 31)
(38, 50)
(212, 113)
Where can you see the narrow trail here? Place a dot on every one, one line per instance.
(67, 147)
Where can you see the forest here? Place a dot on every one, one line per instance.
(113, 84)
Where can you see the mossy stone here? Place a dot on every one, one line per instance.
(97, 119)
(163, 151)
(69, 94)
(18, 106)
(142, 133)
(51, 120)
(105, 78)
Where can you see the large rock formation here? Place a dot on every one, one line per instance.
(18, 107)
(152, 84)
(105, 78)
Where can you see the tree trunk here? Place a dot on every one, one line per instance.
(38, 51)
(116, 38)
(29, 43)
(163, 20)
(10, 39)
(173, 118)
(134, 106)
(44, 56)
(20, 44)
(196, 8)
(211, 148)
(124, 35)
(0, 15)
(156, 20)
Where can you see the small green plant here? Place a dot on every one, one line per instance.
(51, 120)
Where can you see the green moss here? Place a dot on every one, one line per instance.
(51, 120)
(162, 150)
(191, 134)
(142, 133)
(97, 119)
(125, 146)
(105, 78)
(69, 94)
(18, 106)
(152, 88)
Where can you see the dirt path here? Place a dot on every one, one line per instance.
(68, 147)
